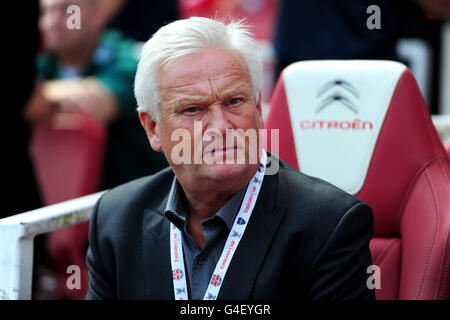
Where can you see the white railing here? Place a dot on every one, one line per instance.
(16, 241)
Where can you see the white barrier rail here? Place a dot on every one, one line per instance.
(16, 241)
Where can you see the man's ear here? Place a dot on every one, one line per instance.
(259, 103)
(259, 108)
(152, 130)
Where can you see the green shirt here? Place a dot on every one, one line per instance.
(114, 63)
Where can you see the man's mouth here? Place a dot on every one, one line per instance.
(222, 151)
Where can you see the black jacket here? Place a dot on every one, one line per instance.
(305, 239)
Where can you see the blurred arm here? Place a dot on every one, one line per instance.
(55, 102)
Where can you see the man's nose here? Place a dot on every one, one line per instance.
(217, 120)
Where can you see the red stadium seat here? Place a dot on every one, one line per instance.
(364, 126)
(68, 164)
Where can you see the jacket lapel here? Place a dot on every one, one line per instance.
(249, 256)
(156, 254)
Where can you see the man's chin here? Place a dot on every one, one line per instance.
(223, 172)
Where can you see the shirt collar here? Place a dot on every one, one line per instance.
(230, 209)
(176, 210)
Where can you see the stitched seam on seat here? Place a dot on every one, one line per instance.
(384, 252)
(445, 261)
(444, 269)
(410, 187)
(444, 170)
(429, 124)
(427, 259)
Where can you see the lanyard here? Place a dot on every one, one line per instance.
(234, 237)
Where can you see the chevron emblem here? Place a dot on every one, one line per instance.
(337, 96)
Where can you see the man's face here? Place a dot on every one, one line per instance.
(210, 91)
(53, 23)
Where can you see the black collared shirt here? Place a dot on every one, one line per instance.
(200, 263)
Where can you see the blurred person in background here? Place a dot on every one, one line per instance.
(91, 71)
(337, 29)
(139, 19)
(87, 70)
(334, 29)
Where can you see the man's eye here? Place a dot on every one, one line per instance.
(235, 101)
(191, 110)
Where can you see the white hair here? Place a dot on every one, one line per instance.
(189, 36)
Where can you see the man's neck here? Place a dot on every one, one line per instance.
(203, 205)
(206, 198)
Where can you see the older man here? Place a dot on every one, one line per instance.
(214, 225)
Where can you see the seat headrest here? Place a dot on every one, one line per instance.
(361, 125)
(337, 109)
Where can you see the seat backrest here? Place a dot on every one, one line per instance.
(68, 162)
(447, 147)
(364, 126)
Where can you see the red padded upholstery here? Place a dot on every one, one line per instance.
(447, 147)
(407, 182)
(68, 164)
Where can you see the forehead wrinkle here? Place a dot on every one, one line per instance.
(180, 95)
(196, 88)
(189, 100)
(216, 94)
